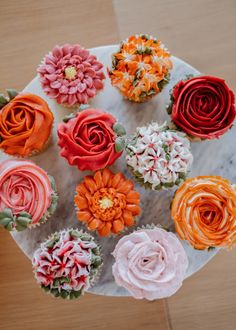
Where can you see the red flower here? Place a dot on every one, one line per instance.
(203, 107)
(88, 140)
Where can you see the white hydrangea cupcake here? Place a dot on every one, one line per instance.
(158, 156)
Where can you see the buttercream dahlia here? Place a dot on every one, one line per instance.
(21, 120)
(158, 156)
(140, 68)
(67, 263)
(28, 196)
(107, 202)
(150, 263)
(71, 75)
(203, 107)
(91, 139)
(204, 212)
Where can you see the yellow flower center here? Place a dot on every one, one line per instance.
(70, 72)
(105, 203)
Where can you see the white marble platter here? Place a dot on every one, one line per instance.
(210, 157)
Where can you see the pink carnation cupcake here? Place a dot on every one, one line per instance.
(150, 263)
(71, 75)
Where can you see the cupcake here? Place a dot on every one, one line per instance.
(70, 75)
(204, 212)
(67, 263)
(140, 68)
(203, 107)
(158, 157)
(28, 195)
(91, 139)
(107, 202)
(150, 263)
(25, 124)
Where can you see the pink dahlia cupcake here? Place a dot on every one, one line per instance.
(150, 263)
(91, 139)
(28, 195)
(67, 263)
(71, 75)
(203, 107)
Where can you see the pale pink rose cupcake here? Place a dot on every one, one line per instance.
(71, 75)
(150, 263)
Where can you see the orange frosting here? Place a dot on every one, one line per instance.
(25, 125)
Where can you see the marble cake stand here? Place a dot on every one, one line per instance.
(211, 157)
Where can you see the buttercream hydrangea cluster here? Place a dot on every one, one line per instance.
(159, 157)
(71, 75)
(66, 264)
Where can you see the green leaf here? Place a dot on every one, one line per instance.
(64, 294)
(10, 226)
(75, 233)
(52, 182)
(119, 129)
(77, 294)
(25, 215)
(6, 213)
(96, 261)
(23, 221)
(69, 117)
(182, 175)
(5, 221)
(55, 292)
(19, 227)
(119, 144)
(12, 93)
(211, 248)
(3, 100)
(50, 243)
(168, 184)
(56, 282)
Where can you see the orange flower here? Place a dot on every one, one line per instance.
(204, 212)
(107, 202)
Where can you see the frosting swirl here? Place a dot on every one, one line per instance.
(25, 187)
(25, 125)
(150, 263)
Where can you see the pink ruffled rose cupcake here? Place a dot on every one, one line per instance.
(150, 263)
(71, 75)
(91, 139)
(28, 196)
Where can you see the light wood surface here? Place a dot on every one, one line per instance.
(201, 32)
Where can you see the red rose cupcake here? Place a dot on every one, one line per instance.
(91, 139)
(203, 107)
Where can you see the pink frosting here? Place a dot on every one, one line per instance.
(67, 258)
(24, 187)
(85, 83)
(150, 263)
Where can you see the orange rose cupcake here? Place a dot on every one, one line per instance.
(204, 212)
(107, 202)
(25, 124)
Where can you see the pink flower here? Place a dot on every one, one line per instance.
(150, 263)
(71, 75)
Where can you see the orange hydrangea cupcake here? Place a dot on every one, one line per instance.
(204, 212)
(107, 202)
(140, 68)
(25, 124)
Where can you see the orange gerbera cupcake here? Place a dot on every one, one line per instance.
(25, 124)
(107, 202)
(140, 68)
(204, 212)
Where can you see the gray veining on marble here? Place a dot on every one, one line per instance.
(211, 157)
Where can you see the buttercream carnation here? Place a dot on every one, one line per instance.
(71, 75)
(150, 263)
(159, 157)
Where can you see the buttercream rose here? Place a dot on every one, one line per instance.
(203, 107)
(26, 192)
(25, 125)
(150, 263)
(204, 212)
(89, 140)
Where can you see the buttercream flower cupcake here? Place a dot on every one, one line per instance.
(203, 107)
(204, 212)
(67, 263)
(140, 68)
(107, 202)
(91, 139)
(25, 125)
(70, 75)
(28, 196)
(158, 157)
(150, 263)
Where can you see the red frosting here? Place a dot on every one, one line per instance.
(203, 107)
(88, 140)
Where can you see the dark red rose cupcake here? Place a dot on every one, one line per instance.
(203, 107)
(91, 139)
